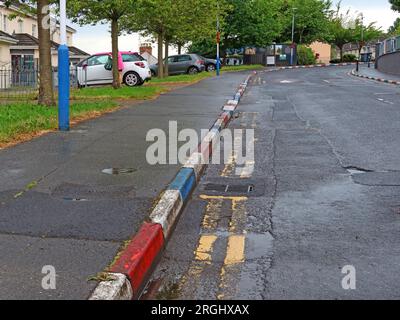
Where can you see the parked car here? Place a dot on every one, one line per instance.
(181, 64)
(211, 64)
(97, 69)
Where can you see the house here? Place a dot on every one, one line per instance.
(19, 44)
(322, 51)
(368, 49)
(146, 51)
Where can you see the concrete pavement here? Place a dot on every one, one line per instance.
(325, 195)
(57, 206)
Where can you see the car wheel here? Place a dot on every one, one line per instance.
(132, 79)
(153, 73)
(193, 70)
(211, 68)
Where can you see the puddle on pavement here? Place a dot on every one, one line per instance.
(157, 289)
(119, 171)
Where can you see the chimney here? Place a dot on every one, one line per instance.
(146, 47)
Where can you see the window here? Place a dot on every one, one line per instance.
(98, 60)
(5, 23)
(172, 59)
(20, 26)
(184, 58)
(34, 30)
(130, 58)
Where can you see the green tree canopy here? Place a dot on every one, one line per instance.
(395, 4)
(394, 30)
(173, 21)
(311, 20)
(104, 11)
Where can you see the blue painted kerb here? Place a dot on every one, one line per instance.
(185, 181)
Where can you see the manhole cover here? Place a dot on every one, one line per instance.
(119, 171)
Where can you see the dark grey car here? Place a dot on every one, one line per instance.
(211, 64)
(181, 64)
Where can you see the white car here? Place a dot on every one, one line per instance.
(97, 69)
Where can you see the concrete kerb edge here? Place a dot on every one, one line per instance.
(118, 286)
(354, 73)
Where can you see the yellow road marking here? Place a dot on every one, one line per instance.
(235, 251)
(205, 248)
(234, 199)
(238, 219)
(248, 169)
(235, 255)
(211, 216)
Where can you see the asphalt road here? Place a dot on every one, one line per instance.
(57, 207)
(325, 195)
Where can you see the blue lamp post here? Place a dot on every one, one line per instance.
(63, 71)
(218, 44)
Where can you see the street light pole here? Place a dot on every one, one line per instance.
(361, 43)
(292, 46)
(63, 71)
(218, 44)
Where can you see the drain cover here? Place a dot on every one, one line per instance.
(75, 199)
(118, 171)
(229, 188)
(233, 187)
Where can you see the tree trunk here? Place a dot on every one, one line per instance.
(166, 72)
(341, 53)
(46, 95)
(160, 40)
(179, 48)
(115, 66)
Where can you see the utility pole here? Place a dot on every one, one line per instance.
(361, 42)
(63, 71)
(292, 45)
(218, 43)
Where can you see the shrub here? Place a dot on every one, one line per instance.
(305, 55)
(349, 58)
(335, 61)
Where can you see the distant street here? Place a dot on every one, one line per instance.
(325, 194)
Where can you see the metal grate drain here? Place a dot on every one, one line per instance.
(119, 171)
(230, 188)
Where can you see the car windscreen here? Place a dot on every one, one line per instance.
(132, 57)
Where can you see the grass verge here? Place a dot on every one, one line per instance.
(23, 121)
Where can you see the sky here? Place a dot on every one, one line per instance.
(94, 39)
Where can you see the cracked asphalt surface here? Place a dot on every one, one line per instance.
(57, 207)
(327, 164)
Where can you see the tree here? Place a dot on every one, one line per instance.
(311, 20)
(251, 23)
(104, 11)
(41, 9)
(394, 30)
(172, 21)
(339, 30)
(363, 34)
(395, 4)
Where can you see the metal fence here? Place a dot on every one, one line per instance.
(388, 46)
(23, 84)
